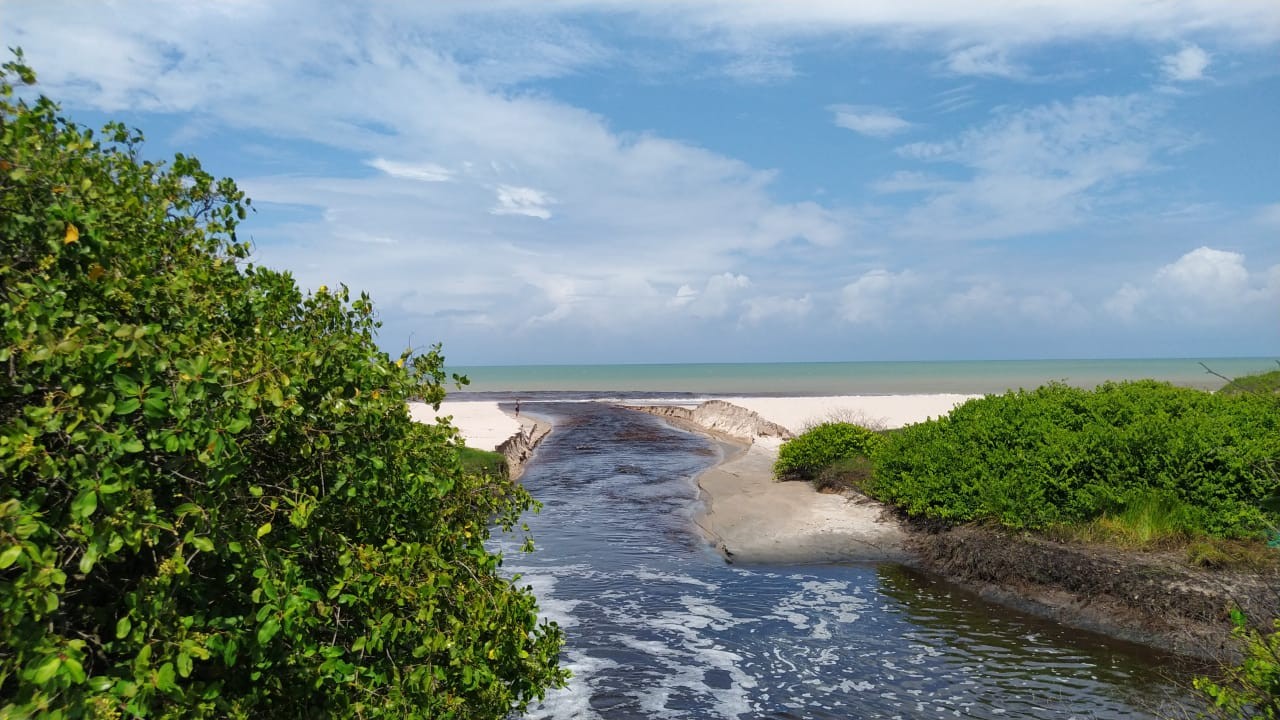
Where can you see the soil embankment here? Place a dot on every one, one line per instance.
(721, 418)
(518, 448)
(1154, 598)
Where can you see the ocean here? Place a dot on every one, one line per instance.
(844, 378)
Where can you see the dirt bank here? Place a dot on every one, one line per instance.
(1154, 598)
(518, 448)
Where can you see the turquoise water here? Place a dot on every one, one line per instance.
(851, 378)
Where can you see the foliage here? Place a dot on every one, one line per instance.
(1250, 689)
(482, 462)
(1062, 455)
(1267, 382)
(845, 474)
(804, 456)
(213, 502)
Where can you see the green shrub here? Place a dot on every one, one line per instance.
(1250, 689)
(803, 457)
(1062, 455)
(1267, 382)
(213, 502)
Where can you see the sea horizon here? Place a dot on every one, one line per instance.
(864, 377)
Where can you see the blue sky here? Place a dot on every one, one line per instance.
(727, 180)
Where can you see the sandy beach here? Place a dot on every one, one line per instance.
(483, 424)
(752, 518)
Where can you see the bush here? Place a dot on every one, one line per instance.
(213, 502)
(803, 457)
(1267, 382)
(1061, 455)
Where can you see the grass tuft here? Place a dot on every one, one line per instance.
(482, 462)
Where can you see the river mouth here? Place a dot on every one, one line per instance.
(658, 626)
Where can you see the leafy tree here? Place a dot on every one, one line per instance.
(213, 502)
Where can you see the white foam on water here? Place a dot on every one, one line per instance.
(557, 610)
(647, 574)
(574, 701)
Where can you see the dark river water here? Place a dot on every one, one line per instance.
(659, 626)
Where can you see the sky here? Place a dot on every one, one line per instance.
(606, 181)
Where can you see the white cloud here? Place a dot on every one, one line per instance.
(1205, 275)
(873, 297)
(763, 309)
(907, 181)
(513, 200)
(1205, 286)
(1124, 303)
(1037, 170)
(424, 172)
(717, 299)
(871, 121)
(1187, 64)
(983, 60)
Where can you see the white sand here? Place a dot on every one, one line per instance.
(887, 411)
(753, 518)
(484, 426)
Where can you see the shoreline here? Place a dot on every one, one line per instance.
(751, 518)
(487, 425)
(1147, 598)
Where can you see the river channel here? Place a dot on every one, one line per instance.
(659, 626)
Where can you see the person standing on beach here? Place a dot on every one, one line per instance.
(517, 407)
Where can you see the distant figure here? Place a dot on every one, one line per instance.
(517, 408)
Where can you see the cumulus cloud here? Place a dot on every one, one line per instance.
(1186, 65)
(717, 298)
(872, 298)
(871, 121)
(1203, 286)
(1205, 275)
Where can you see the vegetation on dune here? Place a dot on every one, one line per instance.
(1194, 462)
(804, 457)
(213, 502)
(483, 462)
(1258, 383)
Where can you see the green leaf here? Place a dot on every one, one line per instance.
(74, 669)
(84, 504)
(264, 529)
(46, 670)
(268, 630)
(132, 446)
(203, 544)
(184, 664)
(10, 556)
(127, 405)
(88, 559)
(100, 683)
(165, 677)
(123, 626)
(125, 385)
